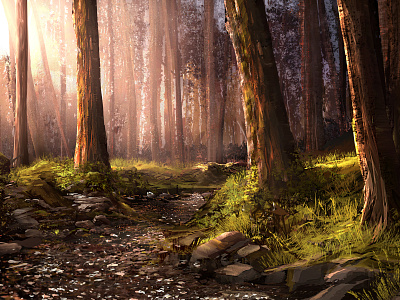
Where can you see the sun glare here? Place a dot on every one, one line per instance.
(3, 32)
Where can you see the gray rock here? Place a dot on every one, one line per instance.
(238, 245)
(32, 233)
(101, 220)
(23, 218)
(236, 273)
(87, 204)
(348, 274)
(338, 292)
(9, 248)
(189, 240)
(87, 224)
(276, 277)
(312, 275)
(247, 250)
(30, 242)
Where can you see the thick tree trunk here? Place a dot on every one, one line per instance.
(393, 68)
(210, 79)
(376, 152)
(91, 143)
(20, 155)
(266, 117)
(155, 75)
(312, 81)
(50, 87)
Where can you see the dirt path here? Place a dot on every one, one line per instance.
(120, 261)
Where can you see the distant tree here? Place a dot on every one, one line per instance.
(63, 74)
(155, 75)
(269, 139)
(375, 146)
(20, 155)
(91, 143)
(111, 61)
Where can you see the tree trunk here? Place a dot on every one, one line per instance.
(266, 117)
(393, 68)
(155, 74)
(63, 74)
(132, 113)
(312, 78)
(52, 91)
(376, 152)
(91, 143)
(210, 79)
(20, 155)
(111, 78)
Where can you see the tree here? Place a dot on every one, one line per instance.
(376, 151)
(270, 140)
(91, 143)
(210, 78)
(21, 121)
(312, 76)
(63, 73)
(155, 75)
(112, 73)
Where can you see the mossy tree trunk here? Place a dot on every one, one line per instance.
(91, 142)
(20, 155)
(266, 118)
(376, 151)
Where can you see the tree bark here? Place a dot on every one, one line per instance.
(376, 152)
(91, 143)
(20, 155)
(266, 117)
(111, 78)
(210, 79)
(63, 75)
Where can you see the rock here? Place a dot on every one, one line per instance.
(87, 224)
(247, 250)
(206, 195)
(23, 218)
(218, 245)
(30, 242)
(33, 233)
(349, 274)
(189, 240)
(9, 248)
(236, 273)
(88, 204)
(4, 165)
(303, 276)
(338, 292)
(238, 245)
(41, 189)
(101, 220)
(276, 277)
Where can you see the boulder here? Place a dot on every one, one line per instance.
(236, 273)
(247, 250)
(338, 292)
(23, 218)
(348, 275)
(30, 242)
(4, 165)
(9, 248)
(88, 204)
(309, 275)
(42, 189)
(87, 224)
(275, 277)
(33, 233)
(253, 254)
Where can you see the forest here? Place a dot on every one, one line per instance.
(200, 149)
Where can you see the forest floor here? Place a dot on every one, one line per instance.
(117, 261)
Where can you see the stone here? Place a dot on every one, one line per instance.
(309, 275)
(349, 274)
(238, 245)
(30, 242)
(4, 165)
(276, 277)
(87, 224)
(9, 248)
(43, 190)
(236, 273)
(338, 292)
(88, 204)
(247, 250)
(217, 246)
(23, 218)
(189, 240)
(101, 220)
(33, 233)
